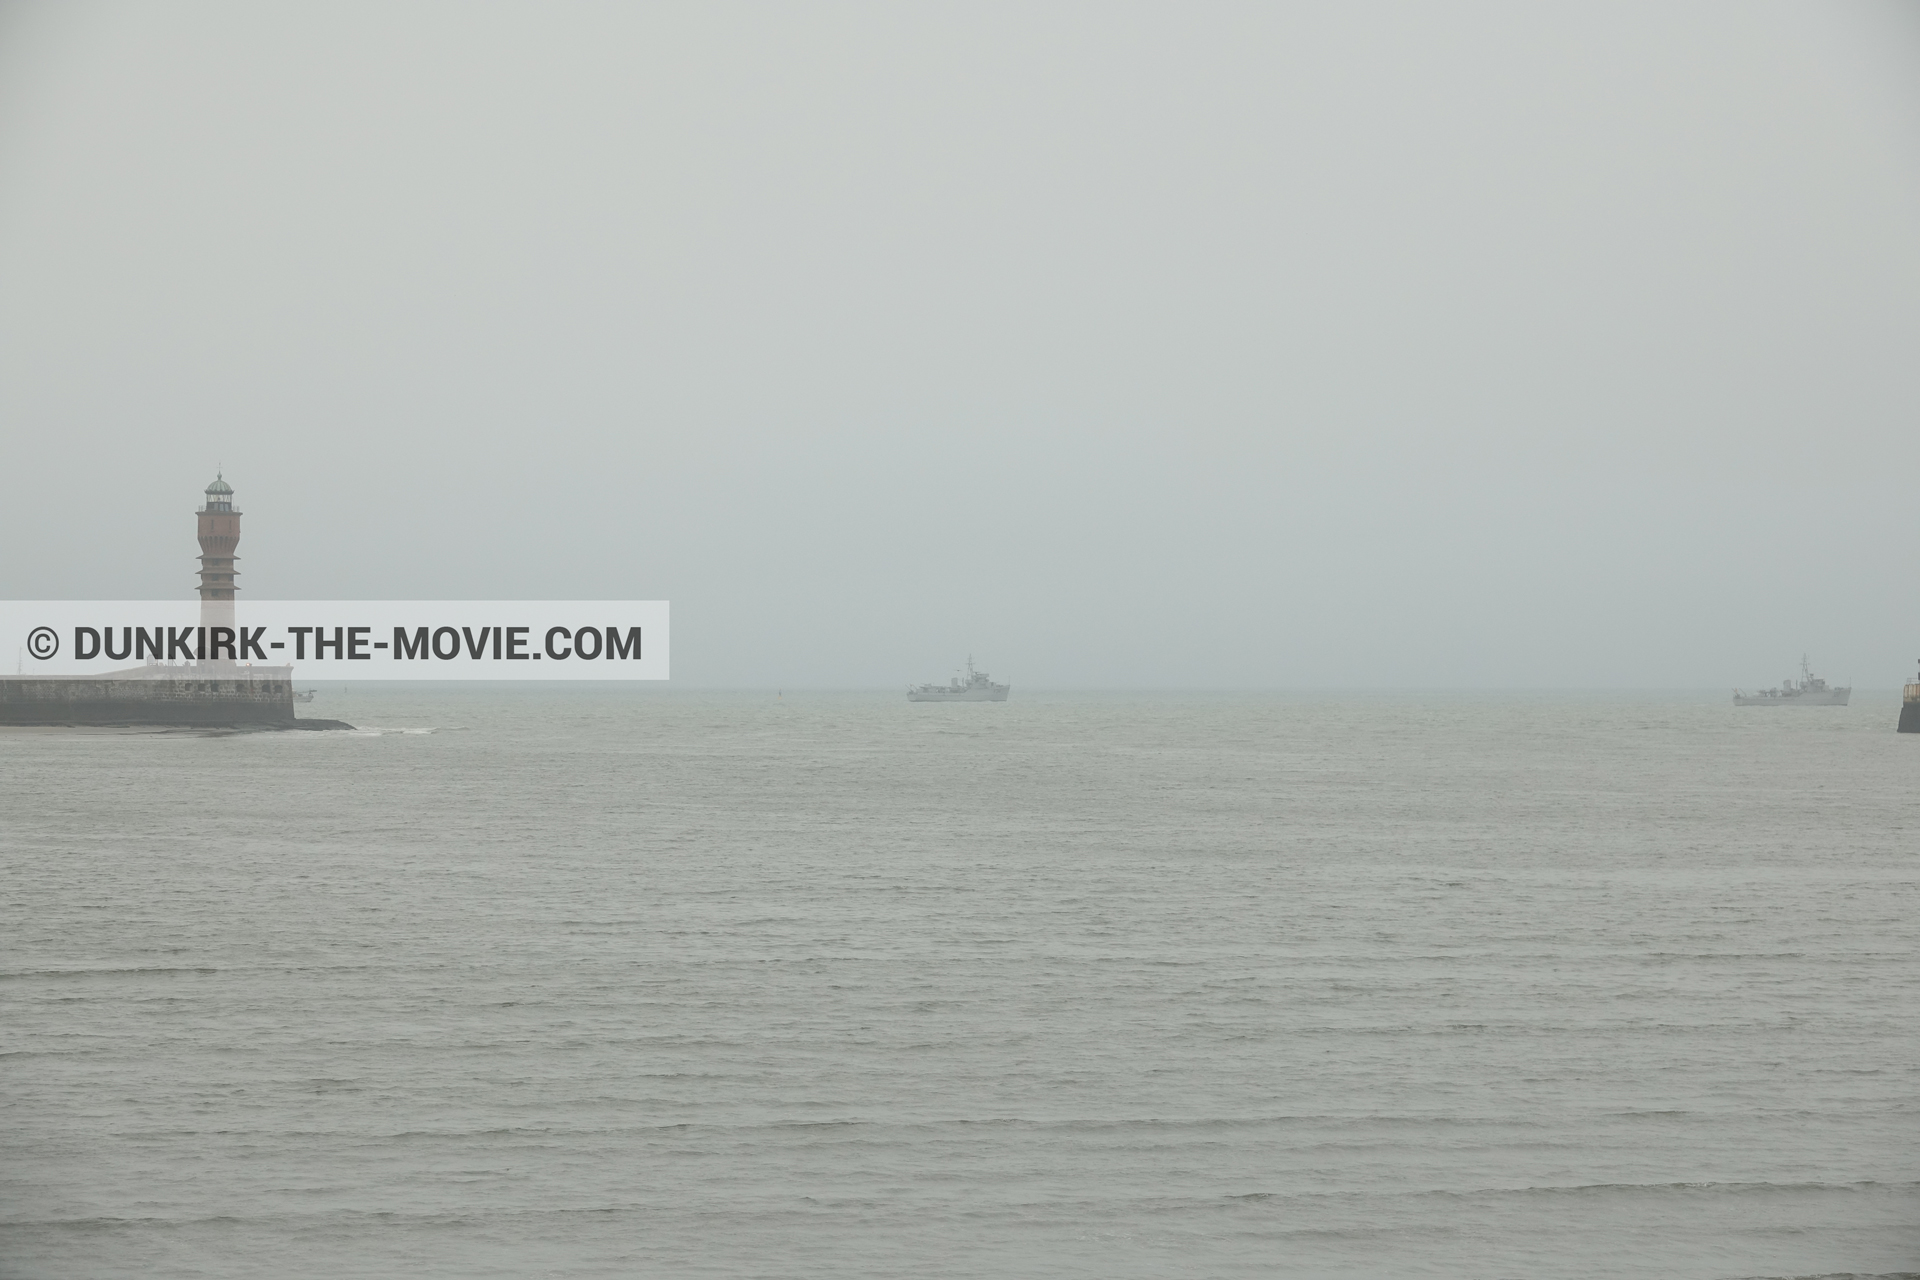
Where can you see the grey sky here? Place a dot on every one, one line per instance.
(1219, 345)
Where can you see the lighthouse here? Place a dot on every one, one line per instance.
(205, 692)
(219, 535)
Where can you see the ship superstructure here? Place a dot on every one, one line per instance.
(1808, 691)
(976, 688)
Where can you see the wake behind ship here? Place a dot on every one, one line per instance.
(1808, 691)
(977, 688)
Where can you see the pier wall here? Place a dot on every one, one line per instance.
(210, 703)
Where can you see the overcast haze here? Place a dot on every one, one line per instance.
(1175, 346)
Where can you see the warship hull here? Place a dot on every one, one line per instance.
(1808, 691)
(998, 693)
(1910, 710)
(1818, 698)
(977, 687)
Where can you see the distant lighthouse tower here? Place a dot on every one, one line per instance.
(219, 535)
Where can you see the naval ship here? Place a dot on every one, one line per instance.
(978, 688)
(1808, 691)
(1910, 707)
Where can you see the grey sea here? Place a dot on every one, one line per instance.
(641, 982)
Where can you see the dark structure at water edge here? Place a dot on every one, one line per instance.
(185, 698)
(219, 694)
(1910, 709)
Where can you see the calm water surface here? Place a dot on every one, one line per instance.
(644, 983)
